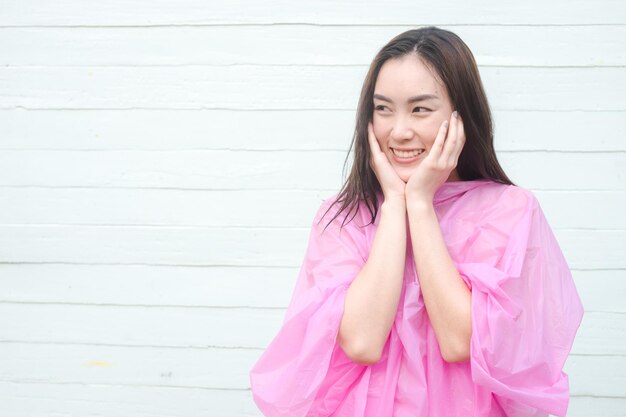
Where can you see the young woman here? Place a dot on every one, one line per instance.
(446, 293)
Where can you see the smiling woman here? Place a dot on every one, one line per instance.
(446, 293)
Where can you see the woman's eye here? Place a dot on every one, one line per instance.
(381, 107)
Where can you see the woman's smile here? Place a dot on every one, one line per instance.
(406, 157)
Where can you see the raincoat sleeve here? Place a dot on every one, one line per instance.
(303, 371)
(525, 309)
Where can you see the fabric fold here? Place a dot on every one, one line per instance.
(525, 315)
(304, 371)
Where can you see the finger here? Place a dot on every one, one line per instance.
(437, 147)
(373, 144)
(449, 146)
(461, 140)
(371, 137)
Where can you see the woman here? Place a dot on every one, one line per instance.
(455, 298)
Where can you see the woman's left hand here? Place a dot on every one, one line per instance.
(436, 167)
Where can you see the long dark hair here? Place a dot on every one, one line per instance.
(453, 61)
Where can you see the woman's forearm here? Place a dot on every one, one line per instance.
(372, 298)
(447, 298)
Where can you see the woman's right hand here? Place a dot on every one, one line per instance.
(392, 185)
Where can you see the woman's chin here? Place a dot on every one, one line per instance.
(404, 174)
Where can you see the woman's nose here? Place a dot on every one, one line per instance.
(401, 129)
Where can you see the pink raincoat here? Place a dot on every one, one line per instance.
(525, 315)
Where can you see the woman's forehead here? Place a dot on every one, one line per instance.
(407, 77)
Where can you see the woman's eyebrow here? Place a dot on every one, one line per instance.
(413, 99)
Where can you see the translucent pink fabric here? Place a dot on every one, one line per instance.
(525, 315)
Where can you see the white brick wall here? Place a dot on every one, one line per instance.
(161, 161)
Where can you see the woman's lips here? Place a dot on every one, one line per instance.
(405, 160)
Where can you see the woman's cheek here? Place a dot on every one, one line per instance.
(434, 133)
(381, 142)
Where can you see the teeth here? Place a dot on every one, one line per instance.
(407, 154)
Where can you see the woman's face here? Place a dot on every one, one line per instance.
(403, 120)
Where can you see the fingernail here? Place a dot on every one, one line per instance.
(445, 124)
(455, 114)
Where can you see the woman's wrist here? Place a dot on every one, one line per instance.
(416, 202)
(395, 203)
